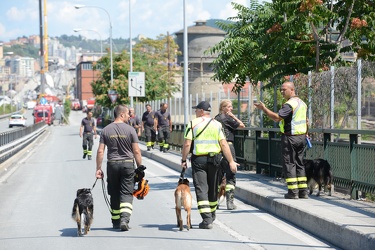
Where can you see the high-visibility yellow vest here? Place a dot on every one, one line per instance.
(208, 140)
(298, 122)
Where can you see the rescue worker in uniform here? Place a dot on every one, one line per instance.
(230, 123)
(205, 139)
(148, 119)
(87, 131)
(163, 123)
(123, 149)
(134, 121)
(292, 118)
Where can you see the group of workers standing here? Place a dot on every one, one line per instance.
(208, 140)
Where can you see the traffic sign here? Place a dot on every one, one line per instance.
(112, 95)
(136, 84)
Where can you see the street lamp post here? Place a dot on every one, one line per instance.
(110, 32)
(101, 41)
(130, 45)
(186, 63)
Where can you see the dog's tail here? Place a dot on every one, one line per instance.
(75, 212)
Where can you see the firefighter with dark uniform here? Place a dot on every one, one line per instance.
(163, 123)
(292, 120)
(148, 119)
(123, 149)
(87, 131)
(230, 123)
(205, 139)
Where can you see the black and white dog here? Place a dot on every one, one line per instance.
(83, 210)
(318, 172)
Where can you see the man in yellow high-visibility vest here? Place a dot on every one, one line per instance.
(292, 118)
(206, 141)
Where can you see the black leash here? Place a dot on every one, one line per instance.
(104, 193)
(182, 173)
(106, 197)
(94, 184)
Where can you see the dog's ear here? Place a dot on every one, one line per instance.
(186, 181)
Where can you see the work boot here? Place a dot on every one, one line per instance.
(84, 155)
(165, 150)
(89, 157)
(229, 195)
(290, 195)
(303, 194)
(161, 149)
(148, 148)
(124, 226)
(204, 225)
(116, 224)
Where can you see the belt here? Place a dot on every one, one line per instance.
(209, 154)
(121, 161)
(87, 132)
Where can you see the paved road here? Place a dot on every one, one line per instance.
(38, 189)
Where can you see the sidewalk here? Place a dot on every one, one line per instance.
(348, 224)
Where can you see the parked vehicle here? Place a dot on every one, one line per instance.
(90, 104)
(17, 120)
(31, 104)
(43, 113)
(76, 105)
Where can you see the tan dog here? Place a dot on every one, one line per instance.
(183, 198)
(221, 191)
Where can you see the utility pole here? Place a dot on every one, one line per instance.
(45, 37)
(41, 48)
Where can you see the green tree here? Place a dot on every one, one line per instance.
(271, 41)
(149, 56)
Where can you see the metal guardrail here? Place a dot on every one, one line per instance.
(13, 141)
(352, 162)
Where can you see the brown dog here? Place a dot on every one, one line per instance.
(183, 198)
(221, 192)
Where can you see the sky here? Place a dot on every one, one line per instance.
(148, 17)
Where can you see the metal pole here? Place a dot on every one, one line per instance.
(332, 125)
(41, 48)
(359, 93)
(186, 77)
(130, 45)
(310, 99)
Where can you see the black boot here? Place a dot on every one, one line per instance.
(229, 195)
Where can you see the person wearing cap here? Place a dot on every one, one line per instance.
(230, 123)
(205, 140)
(163, 124)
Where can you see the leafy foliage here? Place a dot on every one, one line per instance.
(149, 56)
(26, 50)
(271, 41)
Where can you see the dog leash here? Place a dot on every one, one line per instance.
(94, 184)
(106, 197)
(182, 173)
(104, 193)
